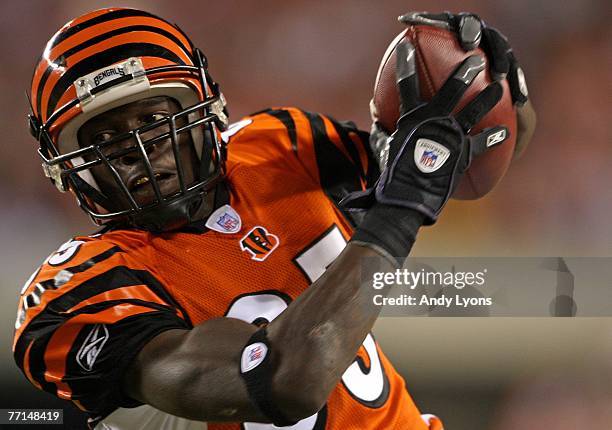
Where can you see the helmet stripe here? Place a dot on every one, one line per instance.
(109, 16)
(109, 56)
(148, 38)
(105, 27)
(74, 50)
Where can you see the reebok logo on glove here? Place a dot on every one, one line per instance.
(429, 156)
(496, 138)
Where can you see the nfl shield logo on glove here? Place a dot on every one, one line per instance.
(428, 159)
(429, 156)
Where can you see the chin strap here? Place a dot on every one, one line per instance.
(206, 166)
(167, 217)
(83, 188)
(221, 197)
(188, 218)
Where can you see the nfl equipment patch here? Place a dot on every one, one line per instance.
(224, 220)
(252, 356)
(429, 156)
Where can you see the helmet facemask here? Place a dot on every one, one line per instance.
(113, 57)
(71, 167)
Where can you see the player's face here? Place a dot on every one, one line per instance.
(131, 167)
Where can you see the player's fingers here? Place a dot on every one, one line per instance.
(379, 143)
(497, 49)
(441, 20)
(445, 100)
(487, 139)
(469, 27)
(476, 109)
(406, 75)
(517, 82)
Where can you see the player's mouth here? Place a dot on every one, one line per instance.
(142, 188)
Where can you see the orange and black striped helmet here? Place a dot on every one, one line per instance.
(109, 58)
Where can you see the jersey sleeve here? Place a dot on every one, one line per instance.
(334, 154)
(83, 317)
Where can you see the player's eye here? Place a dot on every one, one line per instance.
(103, 136)
(148, 119)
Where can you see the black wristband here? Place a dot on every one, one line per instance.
(390, 227)
(256, 371)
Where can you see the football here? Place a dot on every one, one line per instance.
(438, 53)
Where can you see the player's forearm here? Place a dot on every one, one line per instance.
(318, 336)
(194, 373)
(314, 341)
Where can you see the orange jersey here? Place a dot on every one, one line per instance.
(95, 302)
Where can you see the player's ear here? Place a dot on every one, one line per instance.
(525, 126)
(406, 76)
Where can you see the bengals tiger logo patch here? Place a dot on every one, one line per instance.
(259, 243)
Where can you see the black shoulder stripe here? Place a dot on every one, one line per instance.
(99, 307)
(100, 38)
(31, 299)
(148, 279)
(109, 56)
(338, 175)
(94, 260)
(45, 324)
(373, 171)
(285, 117)
(117, 277)
(349, 145)
(36, 360)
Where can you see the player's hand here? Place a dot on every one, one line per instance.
(472, 32)
(430, 149)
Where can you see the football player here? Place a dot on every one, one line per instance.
(225, 286)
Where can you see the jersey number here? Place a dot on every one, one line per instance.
(368, 386)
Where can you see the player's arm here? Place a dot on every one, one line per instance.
(82, 319)
(197, 373)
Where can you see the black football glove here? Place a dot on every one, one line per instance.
(430, 149)
(472, 33)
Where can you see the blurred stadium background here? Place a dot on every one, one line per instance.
(497, 374)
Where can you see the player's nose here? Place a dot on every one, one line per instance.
(151, 151)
